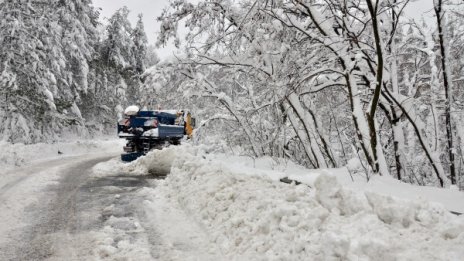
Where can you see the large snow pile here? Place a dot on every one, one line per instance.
(451, 198)
(251, 217)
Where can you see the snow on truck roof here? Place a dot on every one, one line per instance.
(168, 111)
(134, 110)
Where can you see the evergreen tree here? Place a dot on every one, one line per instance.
(139, 49)
(28, 89)
(117, 50)
(45, 49)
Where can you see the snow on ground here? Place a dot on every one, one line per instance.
(249, 216)
(17, 155)
(17, 158)
(25, 170)
(276, 169)
(25, 190)
(171, 233)
(220, 207)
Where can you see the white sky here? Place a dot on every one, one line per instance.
(153, 8)
(417, 8)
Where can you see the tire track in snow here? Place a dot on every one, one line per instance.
(54, 213)
(82, 217)
(28, 172)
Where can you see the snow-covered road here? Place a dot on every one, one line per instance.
(44, 206)
(60, 210)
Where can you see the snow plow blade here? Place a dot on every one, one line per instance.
(128, 157)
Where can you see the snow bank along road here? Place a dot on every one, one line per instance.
(93, 207)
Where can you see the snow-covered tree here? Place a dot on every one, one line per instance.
(335, 80)
(59, 74)
(139, 38)
(116, 72)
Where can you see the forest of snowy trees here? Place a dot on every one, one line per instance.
(320, 82)
(62, 71)
(323, 82)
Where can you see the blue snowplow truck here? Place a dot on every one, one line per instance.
(147, 130)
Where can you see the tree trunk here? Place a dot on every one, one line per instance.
(448, 88)
(309, 126)
(302, 136)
